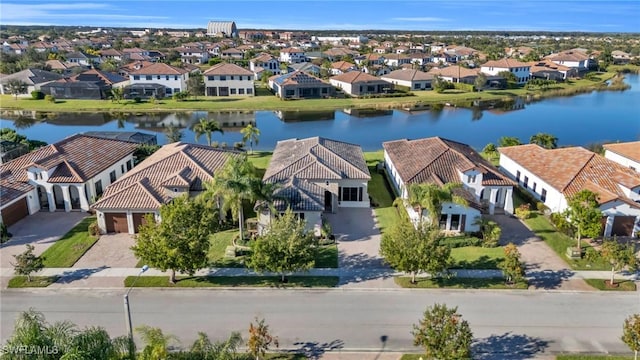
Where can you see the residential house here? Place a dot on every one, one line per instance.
(444, 58)
(553, 176)
(157, 80)
(232, 53)
(315, 175)
(81, 59)
(309, 68)
(412, 79)
(455, 74)
(59, 67)
(112, 54)
(397, 60)
(626, 154)
(226, 79)
(125, 70)
(518, 52)
(176, 169)
(90, 84)
(300, 85)
(573, 59)
(548, 70)
(357, 83)
(621, 57)
(522, 71)
(131, 136)
(193, 55)
(341, 67)
(292, 56)
(34, 78)
(369, 59)
(68, 175)
(42, 46)
(264, 62)
(338, 53)
(440, 161)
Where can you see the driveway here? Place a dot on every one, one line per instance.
(113, 250)
(41, 230)
(550, 271)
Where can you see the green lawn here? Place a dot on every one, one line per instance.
(234, 281)
(457, 283)
(559, 242)
(475, 257)
(36, 281)
(622, 285)
(327, 256)
(66, 251)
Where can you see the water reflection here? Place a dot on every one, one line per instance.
(296, 116)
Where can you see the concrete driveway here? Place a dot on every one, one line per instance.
(112, 250)
(551, 272)
(41, 230)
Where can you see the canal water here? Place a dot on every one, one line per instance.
(576, 120)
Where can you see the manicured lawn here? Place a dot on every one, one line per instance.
(593, 357)
(380, 190)
(327, 256)
(559, 242)
(260, 159)
(234, 281)
(623, 285)
(66, 251)
(475, 257)
(457, 283)
(36, 281)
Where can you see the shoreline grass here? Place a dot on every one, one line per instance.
(458, 283)
(234, 281)
(17, 282)
(70, 248)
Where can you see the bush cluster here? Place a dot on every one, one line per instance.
(523, 211)
(461, 241)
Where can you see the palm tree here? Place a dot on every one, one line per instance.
(173, 134)
(252, 134)
(431, 196)
(417, 193)
(234, 184)
(16, 87)
(206, 127)
(545, 140)
(266, 195)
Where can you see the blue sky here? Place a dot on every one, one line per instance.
(533, 15)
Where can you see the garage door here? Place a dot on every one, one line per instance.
(116, 222)
(14, 212)
(622, 225)
(139, 219)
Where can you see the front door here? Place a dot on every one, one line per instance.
(328, 201)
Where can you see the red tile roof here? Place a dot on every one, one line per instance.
(353, 77)
(227, 69)
(570, 170)
(630, 150)
(159, 69)
(505, 63)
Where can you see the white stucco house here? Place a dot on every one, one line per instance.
(553, 176)
(264, 62)
(571, 58)
(357, 83)
(225, 79)
(170, 78)
(413, 79)
(66, 176)
(521, 70)
(440, 161)
(176, 169)
(315, 175)
(626, 154)
(292, 56)
(191, 55)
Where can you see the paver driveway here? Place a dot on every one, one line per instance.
(112, 250)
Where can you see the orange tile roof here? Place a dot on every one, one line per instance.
(505, 63)
(353, 77)
(227, 69)
(454, 71)
(570, 170)
(630, 150)
(159, 69)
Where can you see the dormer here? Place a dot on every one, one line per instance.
(37, 174)
(177, 184)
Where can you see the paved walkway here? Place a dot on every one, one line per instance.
(112, 250)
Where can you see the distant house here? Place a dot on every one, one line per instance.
(621, 57)
(292, 56)
(413, 79)
(34, 78)
(356, 83)
(455, 74)
(176, 169)
(336, 54)
(522, 71)
(81, 59)
(370, 59)
(341, 67)
(65, 176)
(232, 53)
(90, 84)
(264, 62)
(626, 154)
(307, 67)
(113, 54)
(300, 85)
(193, 55)
(441, 161)
(571, 58)
(315, 175)
(553, 176)
(225, 79)
(158, 80)
(548, 70)
(397, 60)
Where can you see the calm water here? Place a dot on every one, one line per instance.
(577, 120)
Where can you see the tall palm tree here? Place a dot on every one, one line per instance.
(545, 140)
(234, 184)
(417, 193)
(431, 197)
(252, 134)
(266, 195)
(173, 134)
(206, 127)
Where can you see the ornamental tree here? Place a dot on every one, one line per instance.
(443, 333)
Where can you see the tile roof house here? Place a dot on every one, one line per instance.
(521, 70)
(90, 84)
(316, 175)
(357, 83)
(547, 69)
(34, 78)
(572, 58)
(440, 161)
(300, 85)
(264, 62)
(174, 170)
(626, 154)
(553, 176)
(413, 79)
(226, 79)
(66, 175)
(292, 56)
(455, 73)
(341, 67)
(158, 80)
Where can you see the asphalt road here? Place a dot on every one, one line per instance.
(519, 323)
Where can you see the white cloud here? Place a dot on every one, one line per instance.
(12, 11)
(421, 19)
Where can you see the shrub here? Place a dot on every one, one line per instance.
(541, 207)
(523, 211)
(94, 229)
(5, 235)
(592, 255)
(50, 98)
(37, 95)
(559, 221)
(137, 100)
(461, 241)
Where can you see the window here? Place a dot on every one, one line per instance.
(416, 86)
(443, 221)
(98, 186)
(167, 78)
(175, 77)
(168, 91)
(241, 91)
(136, 77)
(543, 195)
(351, 194)
(158, 77)
(122, 168)
(233, 91)
(534, 186)
(112, 176)
(525, 182)
(223, 78)
(129, 165)
(455, 222)
(231, 77)
(471, 179)
(249, 91)
(149, 77)
(211, 78)
(518, 176)
(176, 90)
